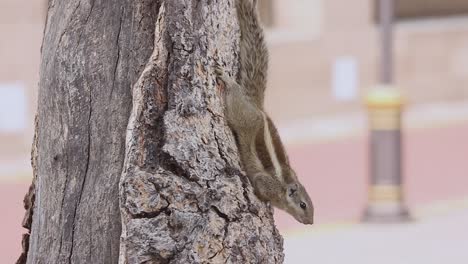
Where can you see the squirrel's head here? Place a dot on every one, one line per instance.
(299, 204)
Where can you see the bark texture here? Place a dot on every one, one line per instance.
(183, 197)
(93, 52)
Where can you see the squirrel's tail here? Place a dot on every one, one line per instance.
(253, 51)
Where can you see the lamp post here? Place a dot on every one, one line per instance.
(384, 104)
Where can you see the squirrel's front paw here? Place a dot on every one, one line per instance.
(224, 76)
(219, 70)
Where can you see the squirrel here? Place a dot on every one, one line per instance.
(262, 153)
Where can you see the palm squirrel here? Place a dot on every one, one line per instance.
(262, 153)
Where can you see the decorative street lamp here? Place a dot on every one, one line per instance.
(384, 104)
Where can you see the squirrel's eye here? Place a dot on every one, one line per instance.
(303, 205)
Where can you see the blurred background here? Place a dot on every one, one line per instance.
(325, 58)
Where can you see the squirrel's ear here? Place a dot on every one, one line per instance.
(292, 189)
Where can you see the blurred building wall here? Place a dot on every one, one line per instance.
(431, 56)
(21, 24)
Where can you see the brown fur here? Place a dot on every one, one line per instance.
(258, 140)
(253, 52)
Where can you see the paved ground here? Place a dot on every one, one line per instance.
(433, 240)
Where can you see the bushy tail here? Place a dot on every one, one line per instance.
(253, 52)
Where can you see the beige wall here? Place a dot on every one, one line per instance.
(21, 23)
(303, 15)
(431, 60)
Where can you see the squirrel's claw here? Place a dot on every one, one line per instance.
(222, 75)
(219, 70)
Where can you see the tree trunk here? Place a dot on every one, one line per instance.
(183, 197)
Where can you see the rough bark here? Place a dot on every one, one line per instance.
(183, 197)
(93, 52)
(28, 201)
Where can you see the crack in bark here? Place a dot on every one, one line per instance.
(169, 163)
(67, 92)
(68, 23)
(220, 151)
(155, 213)
(118, 53)
(226, 230)
(150, 214)
(86, 21)
(220, 214)
(85, 176)
(217, 252)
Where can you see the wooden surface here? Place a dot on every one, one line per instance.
(91, 55)
(183, 196)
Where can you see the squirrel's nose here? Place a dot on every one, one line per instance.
(308, 221)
